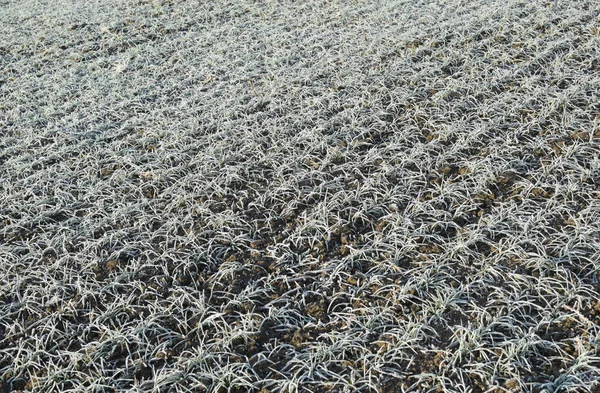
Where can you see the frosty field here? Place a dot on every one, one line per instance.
(300, 196)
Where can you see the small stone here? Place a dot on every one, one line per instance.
(512, 383)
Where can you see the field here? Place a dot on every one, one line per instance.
(295, 197)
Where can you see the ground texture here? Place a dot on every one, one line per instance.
(315, 196)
